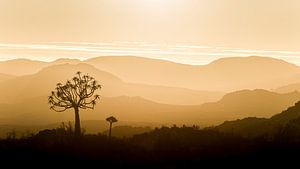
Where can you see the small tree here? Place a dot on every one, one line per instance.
(111, 120)
(77, 94)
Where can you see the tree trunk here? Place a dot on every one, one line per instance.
(109, 136)
(77, 122)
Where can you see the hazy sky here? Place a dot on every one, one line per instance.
(271, 25)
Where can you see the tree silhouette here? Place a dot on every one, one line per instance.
(111, 120)
(77, 94)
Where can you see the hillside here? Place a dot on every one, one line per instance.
(21, 66)
(24, 98)
(41, 83)
(288, 88)
(254, 103)
(223, 74)
(252, 127)
(36, 111)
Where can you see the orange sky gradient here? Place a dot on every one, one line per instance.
(264, 27)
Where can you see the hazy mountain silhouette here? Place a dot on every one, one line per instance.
(36, 111)
(226, 74)
(21, 66)
(288, 88)
(223, 74)
(235, 105)
(45, 80)
(23, 98)
(251, 126)
(255, 103)
(66, 60)
(40, 84)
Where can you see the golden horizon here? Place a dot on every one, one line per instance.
(191, 54)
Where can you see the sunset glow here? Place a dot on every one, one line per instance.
(225, 27)
(150, 83)
(181, 53)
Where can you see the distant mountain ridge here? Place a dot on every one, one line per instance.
(24, 97)
(36, 110)
(41, 83)
(257, 103)
(225, 74)
(288, 88)
(19, 67)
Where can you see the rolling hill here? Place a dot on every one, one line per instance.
(224, 74)
(24, 98)
(253, 127)
(135, 109)
(41, 83)
(20, 67)
(254, 103)
(288, 88)
(234, 105)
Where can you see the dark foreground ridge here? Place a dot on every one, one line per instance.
(166, 147)
(251, 142)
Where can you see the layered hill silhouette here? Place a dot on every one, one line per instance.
(257, 103)
(36, 111)
(23, 98)
(223, 74)
(288, 88)
(253, 127)
(32, 108)
(226, 74)
(19, 67)
(41, 83)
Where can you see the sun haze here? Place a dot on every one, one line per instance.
(271, 25)
(150, 83)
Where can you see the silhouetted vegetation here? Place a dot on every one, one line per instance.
(246, 141)
(111, 120)
(127, 131)
(257, 127)
(165, 147)
(76, 94)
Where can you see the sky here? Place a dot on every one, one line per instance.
(186, 31)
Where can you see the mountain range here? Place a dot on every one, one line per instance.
(225, 74)
(42, 82)
(25, 85)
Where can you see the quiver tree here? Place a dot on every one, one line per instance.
(79, 93)
(111, 120)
